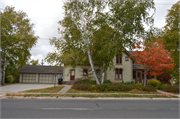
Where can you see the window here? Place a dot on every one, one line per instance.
(98, 73)
(126, 58)
(118, 59)
(85, 72)
(118, 74)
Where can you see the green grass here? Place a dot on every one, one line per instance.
(46, 90)
(92, 95)
(134, 91)
(6, 84)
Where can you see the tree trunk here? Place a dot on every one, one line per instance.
(3, 71)
(102, 79)
(144, 77)
(92, 67)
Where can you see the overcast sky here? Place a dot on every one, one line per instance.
(46, 13)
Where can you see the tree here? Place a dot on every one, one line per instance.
(171, 36)
(17, 38)
(154, 58)
(34, 62)
(93, 35)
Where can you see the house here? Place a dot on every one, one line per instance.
(40, 74)
(125, 70)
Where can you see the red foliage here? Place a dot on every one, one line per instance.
(153, 57)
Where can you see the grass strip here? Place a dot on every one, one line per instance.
(135, 91)
(46, 90)
(93, 95)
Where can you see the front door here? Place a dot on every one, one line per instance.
(72, 75)
(139, 75)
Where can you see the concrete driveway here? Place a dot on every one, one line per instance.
(22, 87)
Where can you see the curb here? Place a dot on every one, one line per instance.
(85, 98)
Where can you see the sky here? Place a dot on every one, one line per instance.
(45, 14)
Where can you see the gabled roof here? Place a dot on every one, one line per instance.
(40, 69)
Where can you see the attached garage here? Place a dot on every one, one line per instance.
(40, 74)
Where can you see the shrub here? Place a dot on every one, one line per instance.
(139, 84)
(154, 82)
(149, 88)
(85, 81)
(107, 82)
(173, 89)
(163, 86)
(9, 79)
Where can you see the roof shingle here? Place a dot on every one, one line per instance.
(40, 69)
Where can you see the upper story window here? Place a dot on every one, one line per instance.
(118, 59)
(127, 58)
(85, 72)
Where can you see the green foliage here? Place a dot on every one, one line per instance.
(139, 84)
(9, 79)
(171, 36)
(34, 62)
(169, 88)
(154, 82)
(107, 82)
(85, 81)
(17, 38)
(163, 86)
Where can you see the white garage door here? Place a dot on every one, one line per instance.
(28, 78)
(45, 78)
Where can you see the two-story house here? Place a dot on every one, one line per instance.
(125, 70)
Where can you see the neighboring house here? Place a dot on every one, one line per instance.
(40, 74)
(125, 70)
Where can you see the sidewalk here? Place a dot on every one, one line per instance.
(65, 89)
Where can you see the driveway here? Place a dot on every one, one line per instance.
(22, 87)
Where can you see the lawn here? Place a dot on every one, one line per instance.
(133, 91)
(46, 90)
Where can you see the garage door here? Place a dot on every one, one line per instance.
(45, 78)
(28, 78)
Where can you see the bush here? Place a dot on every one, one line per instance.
(154, 82)
(9, 79)
(112, 87)
(107, 82)
(173, 89)
(149, 88)
(85, 81)
(163, 86)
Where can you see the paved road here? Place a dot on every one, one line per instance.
(32, 108)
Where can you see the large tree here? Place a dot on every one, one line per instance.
(17, 38)
(171, 36)
(153, 57)
(94, 31)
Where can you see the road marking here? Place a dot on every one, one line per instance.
(68, 108)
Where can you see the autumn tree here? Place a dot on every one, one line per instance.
(171, 36)
(17, 38)
(94, 31)
(153, 57)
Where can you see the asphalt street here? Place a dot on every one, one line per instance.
(58, 108)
